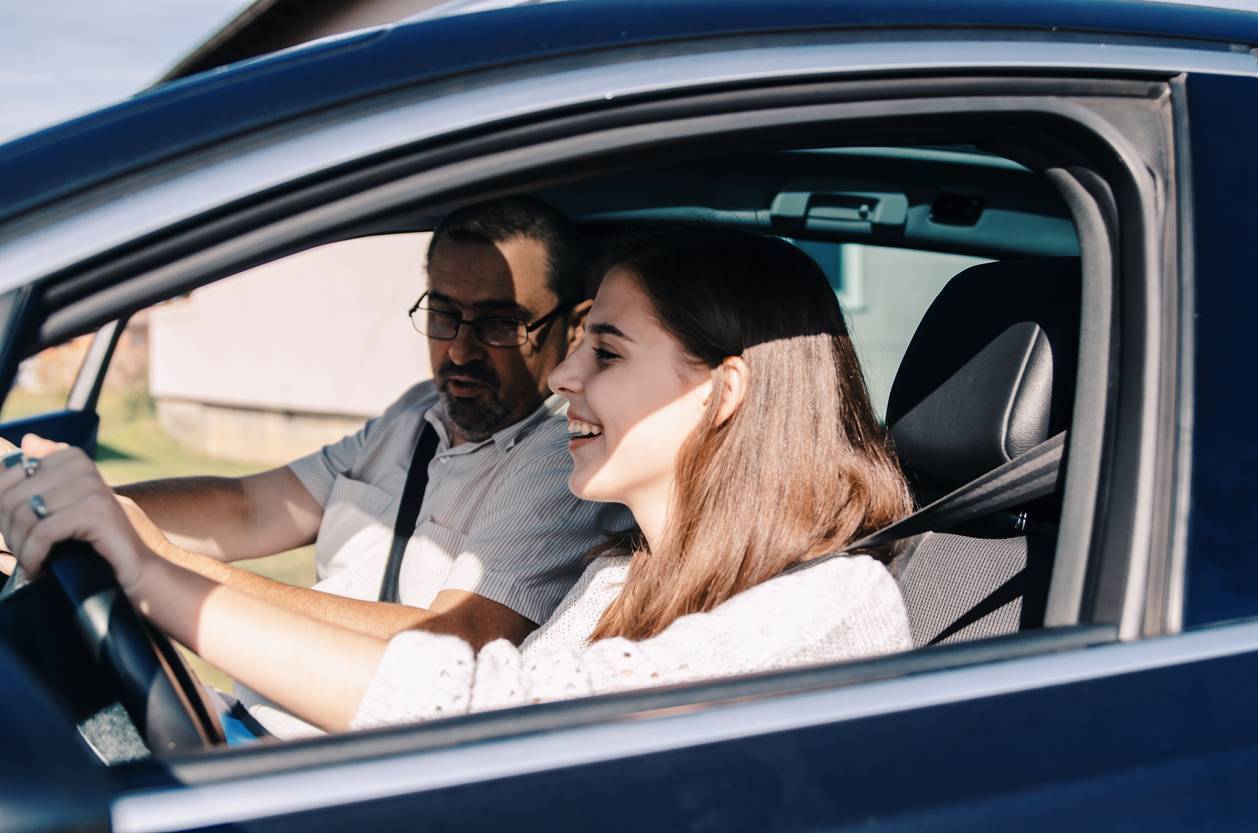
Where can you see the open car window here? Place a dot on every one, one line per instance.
(262, 367)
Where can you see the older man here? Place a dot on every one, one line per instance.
(498, 539)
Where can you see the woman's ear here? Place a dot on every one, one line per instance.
(733, 384)
(576, 323)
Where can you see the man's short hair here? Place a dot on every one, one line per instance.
(495, 221)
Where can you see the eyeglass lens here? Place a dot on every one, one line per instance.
(496, 332)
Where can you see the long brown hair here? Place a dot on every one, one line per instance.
(802, 468)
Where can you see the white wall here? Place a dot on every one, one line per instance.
(324, 331)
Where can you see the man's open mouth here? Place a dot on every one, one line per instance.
(462, 385)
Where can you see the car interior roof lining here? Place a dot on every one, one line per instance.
(75, 310)
(81, 219)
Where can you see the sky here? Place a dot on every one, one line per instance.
(63, 58)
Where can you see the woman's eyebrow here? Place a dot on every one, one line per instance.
(604, 329)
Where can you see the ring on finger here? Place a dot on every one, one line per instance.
(30, 465)
(38, 506)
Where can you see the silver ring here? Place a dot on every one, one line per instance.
(38, 506)
(30, 465)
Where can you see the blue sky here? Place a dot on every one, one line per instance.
(62, 58)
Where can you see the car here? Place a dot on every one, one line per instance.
(1080, 583)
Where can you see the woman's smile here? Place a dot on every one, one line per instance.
(633, 399)
(582, 432)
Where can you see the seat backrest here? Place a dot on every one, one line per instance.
(988, 375)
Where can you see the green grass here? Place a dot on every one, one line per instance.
(131, 447)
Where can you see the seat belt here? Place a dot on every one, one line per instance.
(1032, 474)
(408, 510)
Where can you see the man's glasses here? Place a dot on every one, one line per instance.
(492, 331)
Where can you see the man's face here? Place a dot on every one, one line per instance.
(488, 388)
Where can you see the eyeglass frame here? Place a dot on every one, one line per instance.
(529, 327)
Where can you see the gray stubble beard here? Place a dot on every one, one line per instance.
(475, 420)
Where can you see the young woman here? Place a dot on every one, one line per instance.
(717, 395)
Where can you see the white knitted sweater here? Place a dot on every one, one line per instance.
(837, 609)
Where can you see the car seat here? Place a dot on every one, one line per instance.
(988, 375)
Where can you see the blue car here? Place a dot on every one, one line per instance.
(1041, 219)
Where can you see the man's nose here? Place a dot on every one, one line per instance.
(465, 347)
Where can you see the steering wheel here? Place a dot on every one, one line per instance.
(154, 685)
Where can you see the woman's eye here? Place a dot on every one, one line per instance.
(603, 355)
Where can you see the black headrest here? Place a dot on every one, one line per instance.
(990, 371)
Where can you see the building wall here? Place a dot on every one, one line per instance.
(282, 358)
(250, 435)
(277, 361)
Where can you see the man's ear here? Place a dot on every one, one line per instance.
(734, 381)
(576, 323)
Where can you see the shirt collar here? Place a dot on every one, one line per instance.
(504, 439)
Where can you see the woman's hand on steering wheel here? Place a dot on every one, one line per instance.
(56, 495)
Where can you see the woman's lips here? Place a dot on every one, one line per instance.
(579, 442)
(581, 431)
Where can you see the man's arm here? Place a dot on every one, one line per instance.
(230, 518)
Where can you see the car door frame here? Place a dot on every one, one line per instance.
(966, 682)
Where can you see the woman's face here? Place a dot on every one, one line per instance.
(634, 398)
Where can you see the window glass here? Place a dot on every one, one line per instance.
(884, 292)
(44, 380)
(264, 367)
(273, 363)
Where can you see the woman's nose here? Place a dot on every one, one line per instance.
(564, 379)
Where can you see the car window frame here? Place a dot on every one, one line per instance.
(402, 191)
(443, 182)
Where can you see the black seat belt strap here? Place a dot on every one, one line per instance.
(1032, 474)
(408, 510)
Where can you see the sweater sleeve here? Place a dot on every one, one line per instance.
(837, 610)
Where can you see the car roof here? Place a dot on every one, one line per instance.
(210, 107)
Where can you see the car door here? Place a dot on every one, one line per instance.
(1106, 718)
(73, 419)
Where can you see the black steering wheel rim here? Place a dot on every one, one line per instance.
(155, 686)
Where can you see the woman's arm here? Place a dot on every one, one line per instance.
(837, 610)
(314, 668)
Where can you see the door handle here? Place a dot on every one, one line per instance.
(856, 211)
